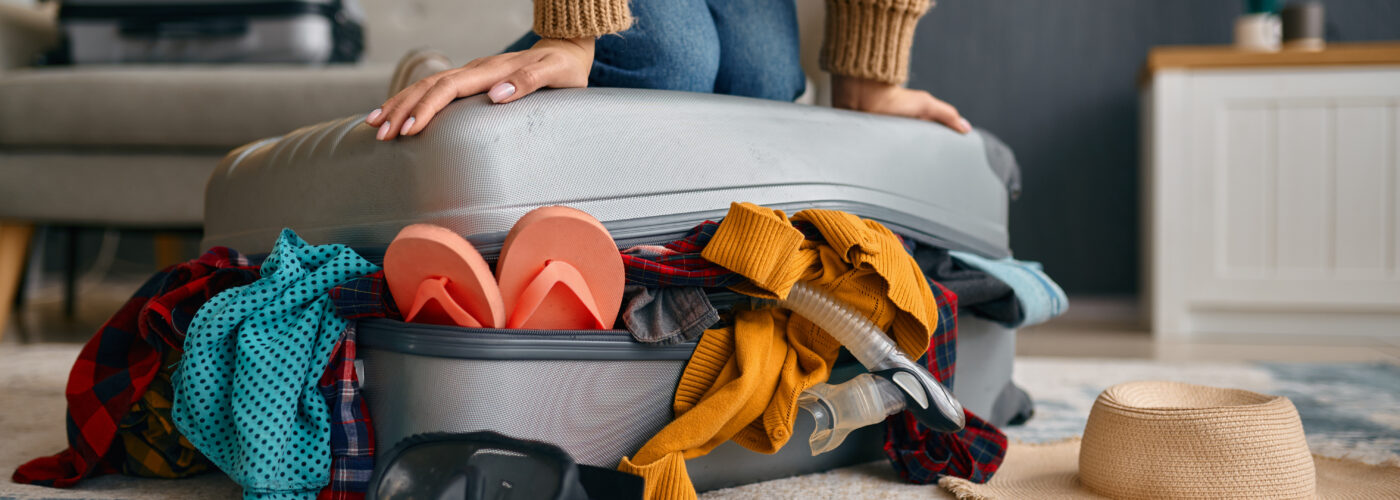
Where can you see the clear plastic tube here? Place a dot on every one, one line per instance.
(866, 341)
(928, 399)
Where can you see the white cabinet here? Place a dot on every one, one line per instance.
(1272, 200)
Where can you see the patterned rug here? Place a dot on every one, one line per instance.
(1348, 410)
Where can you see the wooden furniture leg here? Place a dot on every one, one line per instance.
(14, 246)
(169, 250)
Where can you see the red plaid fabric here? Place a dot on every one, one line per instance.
(678, 263)
(117, 365)
(922, 456)
(352, 434)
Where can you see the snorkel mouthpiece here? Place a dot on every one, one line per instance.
(840, 409)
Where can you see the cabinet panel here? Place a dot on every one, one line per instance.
(1364, 221)
(1304, 194)
(1246, 195)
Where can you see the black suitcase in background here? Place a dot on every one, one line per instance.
(211, 31)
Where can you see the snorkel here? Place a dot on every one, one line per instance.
(895, 382)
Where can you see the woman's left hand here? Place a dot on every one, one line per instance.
(872, 96)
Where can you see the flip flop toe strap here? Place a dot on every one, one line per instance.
(560, 275)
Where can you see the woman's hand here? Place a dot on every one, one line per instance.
(873, 96)
(551, 62)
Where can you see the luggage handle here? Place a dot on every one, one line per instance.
(184, 28)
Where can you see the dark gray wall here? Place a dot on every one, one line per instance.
(1057, 80)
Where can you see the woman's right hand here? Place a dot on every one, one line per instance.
(551, 62)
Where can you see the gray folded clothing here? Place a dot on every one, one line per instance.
(978, 293)
(667, 315)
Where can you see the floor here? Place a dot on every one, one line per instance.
(1094, 328)
(1109, 328)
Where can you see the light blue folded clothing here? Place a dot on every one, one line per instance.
(1040, 298)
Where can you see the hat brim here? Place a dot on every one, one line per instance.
(1050, 471)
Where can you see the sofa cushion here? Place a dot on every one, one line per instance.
(178, 106)
(105, 188)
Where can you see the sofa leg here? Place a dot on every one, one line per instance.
(14, 245)
(169, 249)
(70, 275)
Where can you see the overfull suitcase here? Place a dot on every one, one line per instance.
(211, 31)
(650, 165)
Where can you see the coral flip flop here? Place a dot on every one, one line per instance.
(437, 277)
(560, 270)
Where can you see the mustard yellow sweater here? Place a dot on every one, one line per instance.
(864, 38)
(743, 381)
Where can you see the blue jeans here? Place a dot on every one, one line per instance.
(737, 47)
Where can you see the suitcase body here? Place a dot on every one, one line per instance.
(219, 31)
(650, 165)
(600, 395)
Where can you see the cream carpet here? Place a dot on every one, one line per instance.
(1348, 410)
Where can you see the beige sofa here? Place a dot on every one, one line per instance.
(132, 145)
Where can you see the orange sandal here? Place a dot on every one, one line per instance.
(560, 270)
(437, 277)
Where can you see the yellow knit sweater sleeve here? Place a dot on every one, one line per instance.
(871, 38)
(580, 18)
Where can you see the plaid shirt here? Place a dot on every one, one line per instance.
(117, 375)
(678, 263)
(352, 435)
(121, 360)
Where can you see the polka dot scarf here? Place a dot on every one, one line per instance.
(246, 388)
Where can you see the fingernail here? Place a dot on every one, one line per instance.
(964, 126)
(373, 114)
(384, 130)
(406, 125)
(501, 92)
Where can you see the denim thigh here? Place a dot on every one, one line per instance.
(759, 49)
(671, 45)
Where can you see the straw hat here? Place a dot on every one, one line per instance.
(1175, 440)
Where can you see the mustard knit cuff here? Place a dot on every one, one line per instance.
(665, 479)
(871, 38)
(758, 243)
(580, 18)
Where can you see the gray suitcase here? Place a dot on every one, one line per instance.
(211, 31)
(650, 165)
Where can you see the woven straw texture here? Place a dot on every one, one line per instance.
(1175, 440)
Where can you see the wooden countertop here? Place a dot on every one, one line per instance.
(1224, 56)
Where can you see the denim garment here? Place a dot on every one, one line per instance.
(1040, 298)
(745, 48)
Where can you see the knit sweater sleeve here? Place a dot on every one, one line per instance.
(871, 38)
(580, 18)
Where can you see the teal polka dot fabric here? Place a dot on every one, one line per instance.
(246, 393)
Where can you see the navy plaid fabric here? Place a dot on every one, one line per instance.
(920, 455)
(352, 435)
(364, 297)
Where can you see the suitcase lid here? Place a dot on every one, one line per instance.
(649, 164)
